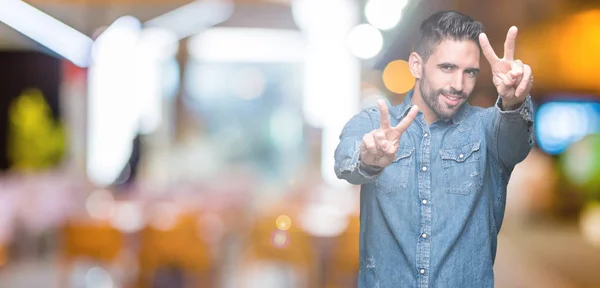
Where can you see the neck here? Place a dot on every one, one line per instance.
(417, 99)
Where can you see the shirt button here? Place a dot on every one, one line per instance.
(461, 156)
(424, 201)
(425, 135)
(424, 235)
(424, 168)
(422, 271)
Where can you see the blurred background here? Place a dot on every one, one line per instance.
(178, 143)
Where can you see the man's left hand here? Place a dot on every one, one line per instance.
(512, 78)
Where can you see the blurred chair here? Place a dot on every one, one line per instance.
(343, 265)
(178, 250)
(91, 240)
(269, 251)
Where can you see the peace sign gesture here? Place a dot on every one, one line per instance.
(379, 147)
(512, 78)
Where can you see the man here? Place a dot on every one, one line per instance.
(434, 169)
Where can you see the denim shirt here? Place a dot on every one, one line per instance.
(432, 217)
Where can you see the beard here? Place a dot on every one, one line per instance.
(442, 110)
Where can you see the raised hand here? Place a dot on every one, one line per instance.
(379, 147)
(512, 78)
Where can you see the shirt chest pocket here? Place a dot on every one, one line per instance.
(462, 168)
(395, 177)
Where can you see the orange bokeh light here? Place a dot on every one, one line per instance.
(397, 77)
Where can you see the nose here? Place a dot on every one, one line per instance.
(458, 80)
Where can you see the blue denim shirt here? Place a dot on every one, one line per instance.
(432, 217)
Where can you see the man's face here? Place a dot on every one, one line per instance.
(449, 75)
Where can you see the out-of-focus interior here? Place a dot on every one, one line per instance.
(178, 143)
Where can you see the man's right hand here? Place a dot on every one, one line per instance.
(378, 148)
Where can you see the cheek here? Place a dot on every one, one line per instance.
(469, 84)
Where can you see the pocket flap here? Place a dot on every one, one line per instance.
(403, 153)
(460, 153)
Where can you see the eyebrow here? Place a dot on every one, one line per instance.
(446, 64)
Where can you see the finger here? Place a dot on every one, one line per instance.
(509, 44)
(379, 136)
(507, 81)
(487, 49)
(381, 143)
(516, 71)
(384, 114)
(503, 85)
(526, 82)
(391, 149)
(405, 123)
(369, 142)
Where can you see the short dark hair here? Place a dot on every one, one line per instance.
(446, 25)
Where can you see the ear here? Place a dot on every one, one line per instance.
(415, 63)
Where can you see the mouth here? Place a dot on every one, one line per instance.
(452, 100)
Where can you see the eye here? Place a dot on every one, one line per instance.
(447, 67)
(471, 73)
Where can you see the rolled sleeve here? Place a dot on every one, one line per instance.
(347, 153)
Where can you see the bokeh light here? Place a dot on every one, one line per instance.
(365, 41)
(283, 222)
(581, 164)
(590, 223)
(100, 204)
(280, 239)
(559, 124)
(384, 14)
(397, 77)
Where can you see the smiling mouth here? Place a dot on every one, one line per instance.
(453, 97)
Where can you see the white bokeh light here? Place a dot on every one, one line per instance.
(365, 41)
(384, 14)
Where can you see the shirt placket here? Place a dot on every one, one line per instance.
(424, 186)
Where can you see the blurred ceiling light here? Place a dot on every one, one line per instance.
(331, 73)
(397, 77)
(384, 14)
(46, 30)
(125, 92)
(121, 34)
(247, 45)
(158, 43)
(365, 41)
(194, 17)
(113, 109)
(155, 48)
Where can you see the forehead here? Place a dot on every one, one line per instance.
(465, 53)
